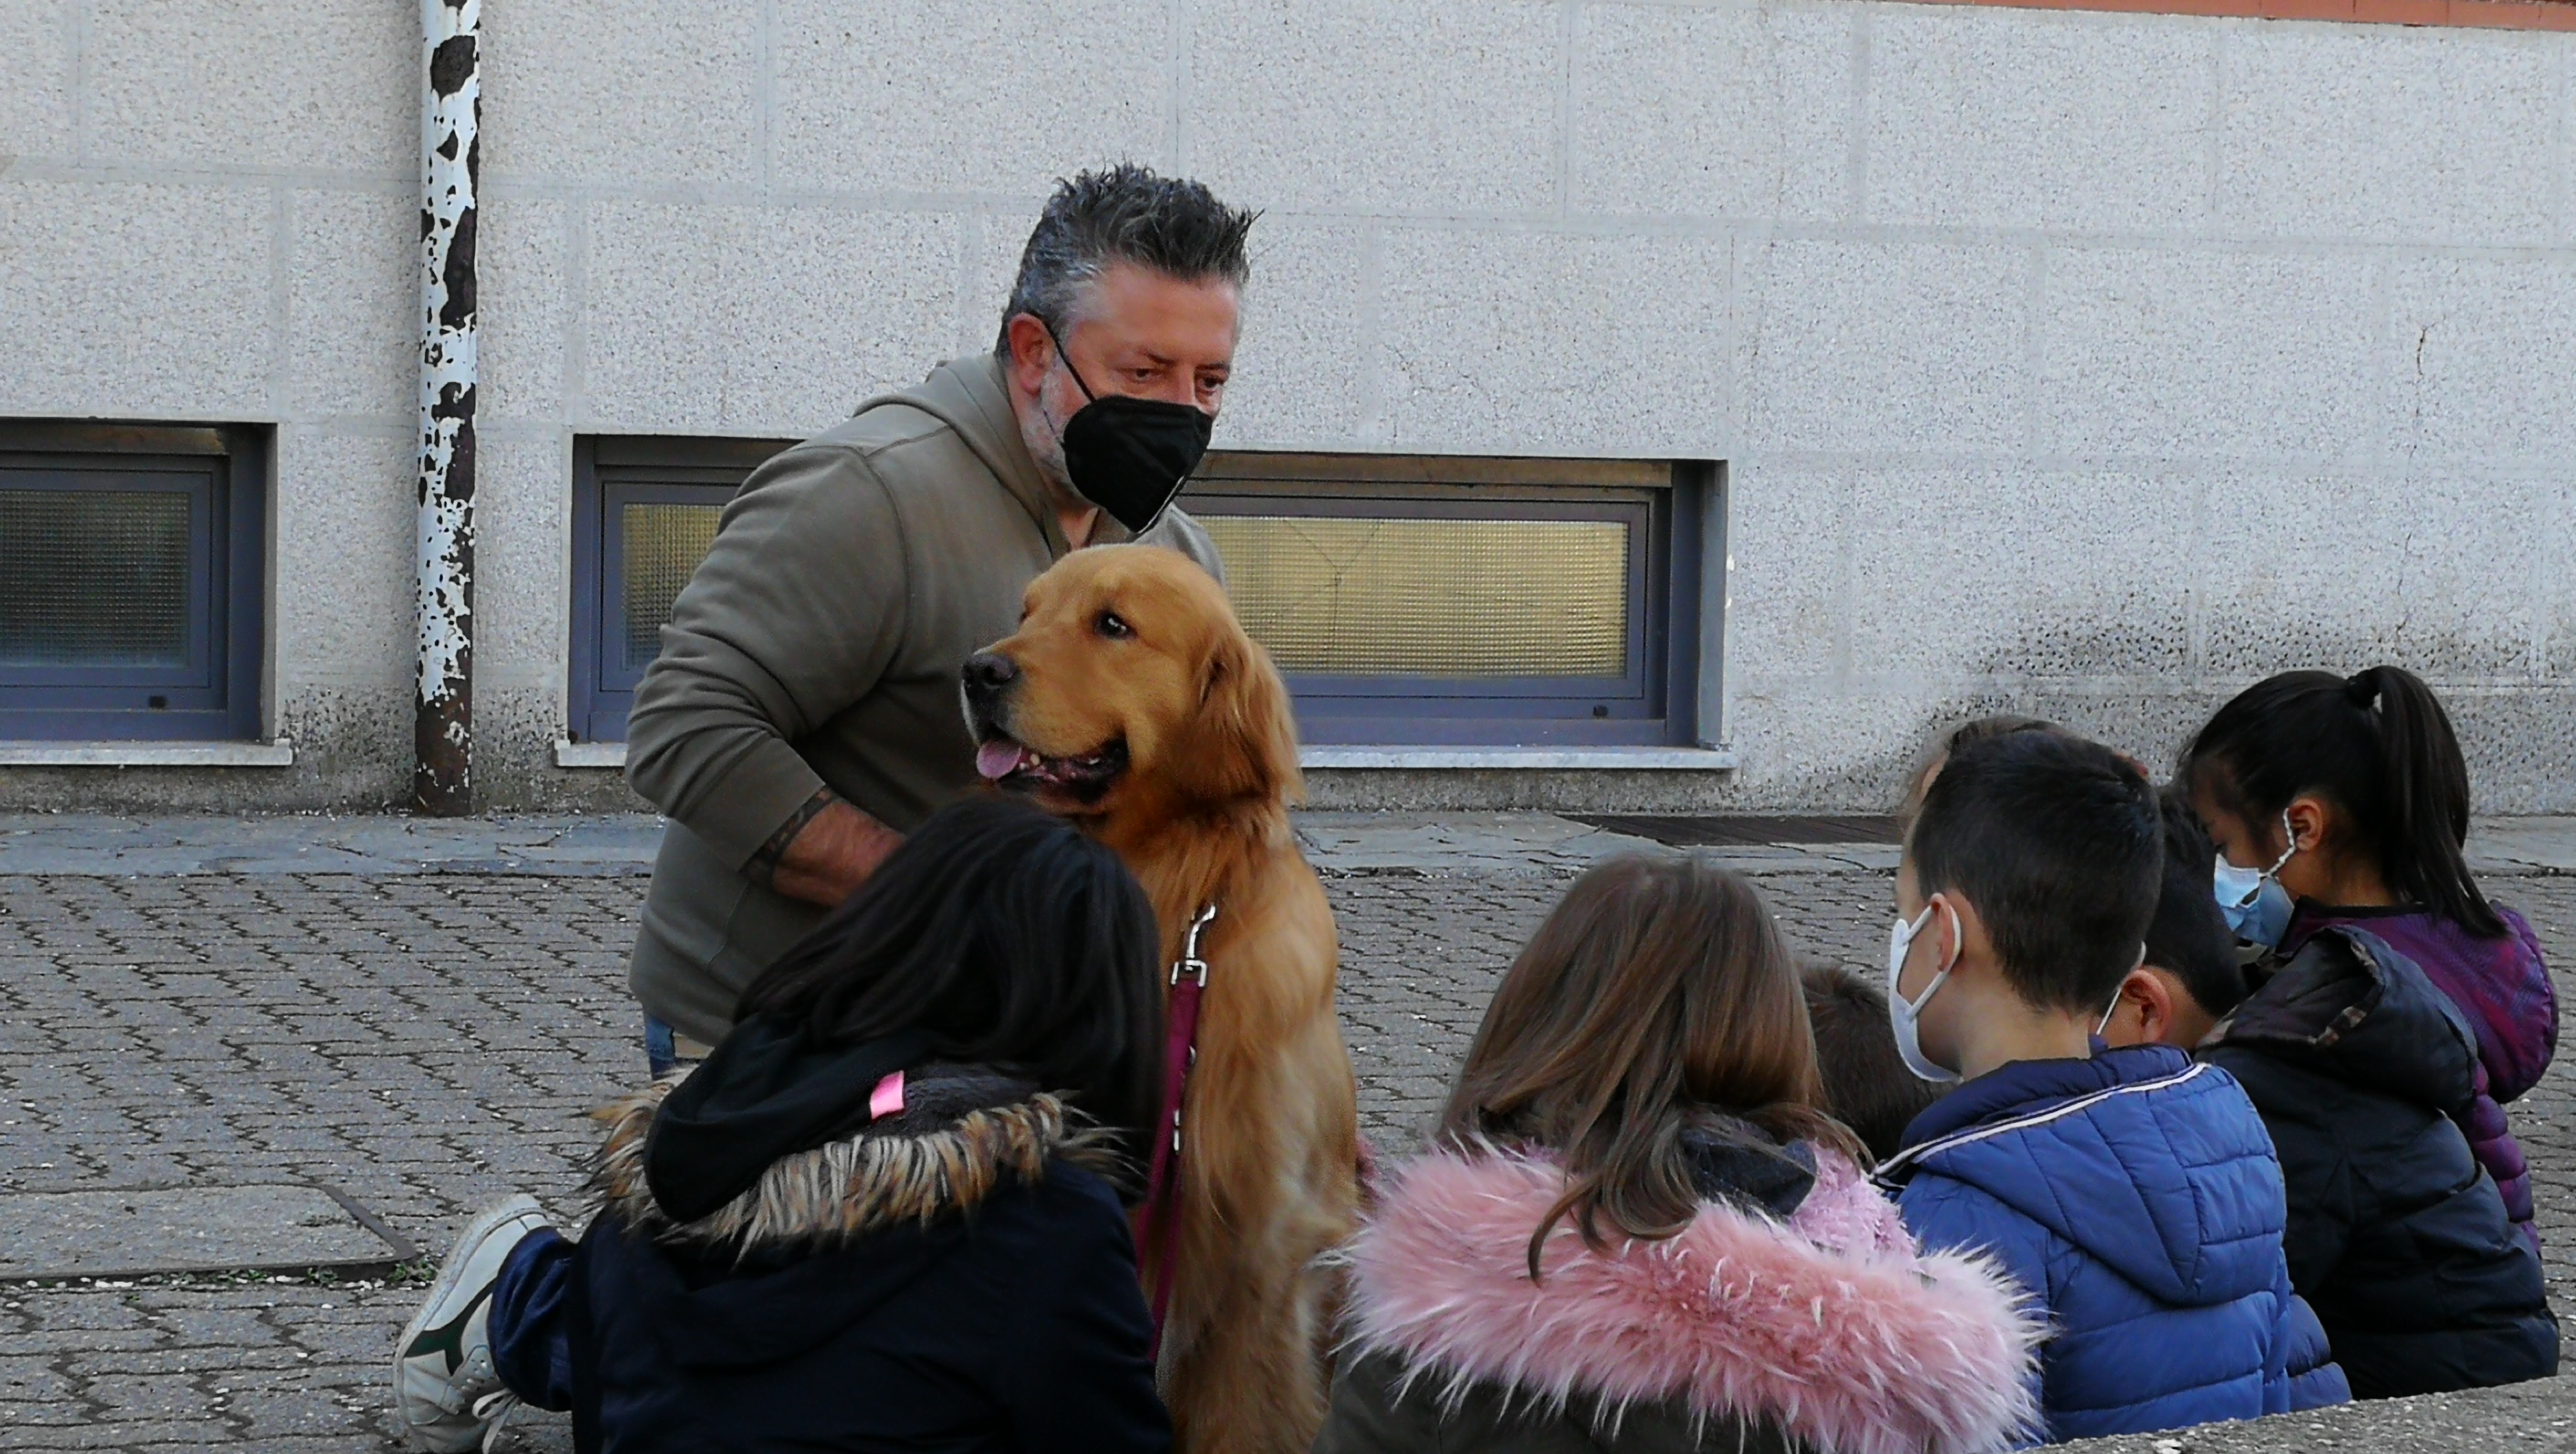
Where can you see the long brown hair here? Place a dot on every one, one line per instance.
(1656, 998)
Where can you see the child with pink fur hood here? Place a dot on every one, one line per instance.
(1636, 1232)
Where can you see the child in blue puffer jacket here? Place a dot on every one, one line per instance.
(2133, 1193)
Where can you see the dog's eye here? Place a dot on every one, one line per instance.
(1114, 628)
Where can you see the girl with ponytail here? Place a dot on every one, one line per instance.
(2345, 801)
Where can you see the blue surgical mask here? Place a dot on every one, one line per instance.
(2256, 906)
(1902, 1012)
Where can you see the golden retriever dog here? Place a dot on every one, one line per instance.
(1132, 699)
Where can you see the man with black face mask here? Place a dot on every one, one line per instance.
(803, 713)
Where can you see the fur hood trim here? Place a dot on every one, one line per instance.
(851, 1187)
(1841, 1333)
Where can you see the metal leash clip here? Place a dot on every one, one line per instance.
(1189, 961)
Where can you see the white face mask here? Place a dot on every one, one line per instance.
(1902, 1013)
(2108, 1010)
(2113, 1008)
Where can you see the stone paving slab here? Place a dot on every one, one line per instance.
(429, 1041)
(2523, 845)
(1490, 843)
(372, 844)
(2529, 1416)
(625, 843)
(113, 1234)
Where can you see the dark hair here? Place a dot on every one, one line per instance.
(2378, 746)
(1867, 1086)
(2189, 937)
(1998, 724)
(1012, 940)
(1975, 729)
(1656, 998)
(1124, 213)
(2056, 841)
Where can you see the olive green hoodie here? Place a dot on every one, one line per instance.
(819, 645)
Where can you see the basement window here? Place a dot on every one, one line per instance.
(1411, 600)
(131, 580)
(1447, 601)
(644, 514)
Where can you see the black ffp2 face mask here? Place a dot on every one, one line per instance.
(1130, 456)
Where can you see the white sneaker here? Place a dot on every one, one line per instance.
(446, 1394)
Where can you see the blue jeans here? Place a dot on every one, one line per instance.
(531, 1349)
(660, 1056)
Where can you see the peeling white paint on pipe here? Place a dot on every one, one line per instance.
(451, 164)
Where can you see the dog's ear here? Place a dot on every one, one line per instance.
(1242, 742)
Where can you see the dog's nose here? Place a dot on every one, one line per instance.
(990, 671)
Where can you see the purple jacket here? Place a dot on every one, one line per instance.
(2504, 988)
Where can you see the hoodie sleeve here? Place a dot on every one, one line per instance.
(2528, 1041)
(1075, 1375)
(795, 614)
(2309, 1122)
(1178, 531)
(2281, 1365)
(2315, 1380)
(2317, 1175)
(1948, 1215)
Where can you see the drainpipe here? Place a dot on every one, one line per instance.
(451, 159)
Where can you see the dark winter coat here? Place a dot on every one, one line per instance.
(2397, 1237)
(957, 1278)
(2136, 1198)
(1792, 1312)
(2503, 987)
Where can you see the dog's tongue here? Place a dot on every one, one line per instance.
(994, 760)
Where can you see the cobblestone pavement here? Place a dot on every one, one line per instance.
(426, 1041)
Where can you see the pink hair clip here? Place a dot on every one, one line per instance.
(887, 1099)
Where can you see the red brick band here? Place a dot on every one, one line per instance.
(2488, 14)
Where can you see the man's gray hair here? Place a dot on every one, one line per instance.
(1127, 214)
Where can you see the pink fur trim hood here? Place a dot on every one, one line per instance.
(1830, 1324)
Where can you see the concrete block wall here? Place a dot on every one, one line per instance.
(2089, 364)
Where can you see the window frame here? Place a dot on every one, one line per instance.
(610, 470)
(1664, 503)
(217, 694)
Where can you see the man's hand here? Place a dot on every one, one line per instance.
(825, 852)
